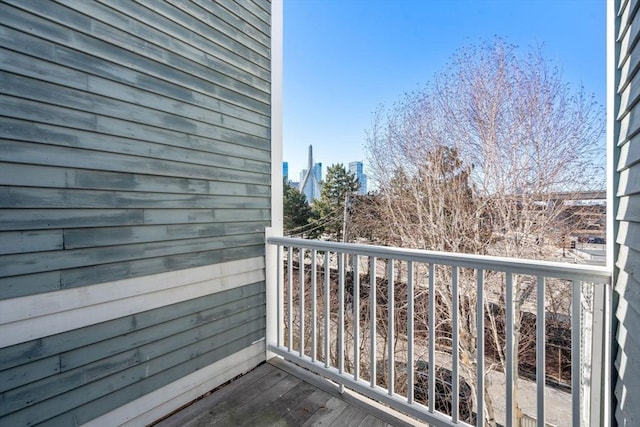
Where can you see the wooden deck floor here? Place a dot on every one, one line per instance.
(278, 393)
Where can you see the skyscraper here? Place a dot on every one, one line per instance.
(310, 178)
(357, 169)
(285, 171)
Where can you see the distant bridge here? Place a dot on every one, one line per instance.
(580, 195)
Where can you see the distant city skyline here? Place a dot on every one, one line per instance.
(345, 58)
(309, 183)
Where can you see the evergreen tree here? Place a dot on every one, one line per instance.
(297, 211)
(329, 209)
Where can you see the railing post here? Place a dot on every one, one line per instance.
(273, 296)
(576, 335)
(341, 316)
(314, 308)
(541, 372)
(390, 328)
(480, 347)
(455, 346)
(410, 332)
(372, 318)
(432, 338)
(510, 369)
(301, 297)
(356, 317)
(599, 358)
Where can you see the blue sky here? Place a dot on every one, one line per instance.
(345, 58)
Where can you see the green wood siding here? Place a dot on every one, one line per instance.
(627, 286)
(135, 139)
(57, 378)
(130, 132)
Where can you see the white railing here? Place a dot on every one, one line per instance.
(421, 345)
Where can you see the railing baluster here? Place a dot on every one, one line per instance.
(480, 348)
(455, 346)
(314, 311)
(290, 296)
(356, 317)
(372, 319)
(341, 315)
(410, 326)
(279, 287)
(390, 327)
(509, 320)
(327, 307)
(432, 338)
(576, 313)
(301, 285)
(540, 350)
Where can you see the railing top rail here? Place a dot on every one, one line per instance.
(513, 265)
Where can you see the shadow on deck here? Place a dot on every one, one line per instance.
(279, 393)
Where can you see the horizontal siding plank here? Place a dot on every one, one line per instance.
(222, 34)
(628, 290)
(20, 129)
(629, 181)
(629, 68)
(630, 38)
(169, 349)
(17, 62)
(250, 305)
(28, 352)
(630, 124)
(27, 197)
(190, 216)
(92, 237)
(16, 242)
(28, 175)
(18, 286)
(111, 14)
(215, 17)
(93, 274)
(248, 11)
(265, 5)
(16, 377)
(254, 25)
(629, 261)
(114, 45)
(124, 396)
(66, 68)
(196, 356)
(38, 112)
(127, 103)
(629, 153)
(629, 235)
(13, 174)
(217, 47)
(35, 219)
(13, 265)
(629, 209)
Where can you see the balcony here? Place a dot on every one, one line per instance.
(538, 351)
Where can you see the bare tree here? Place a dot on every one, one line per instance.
(481, 160)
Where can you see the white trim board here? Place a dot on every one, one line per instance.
(36, 316)
(167, 399)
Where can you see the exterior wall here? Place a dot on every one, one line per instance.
(627, 286)
(135, 188)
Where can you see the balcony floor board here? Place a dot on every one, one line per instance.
(279, 393)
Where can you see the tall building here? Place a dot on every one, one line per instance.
(310, 179)
(285, 171)
(357, 169)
